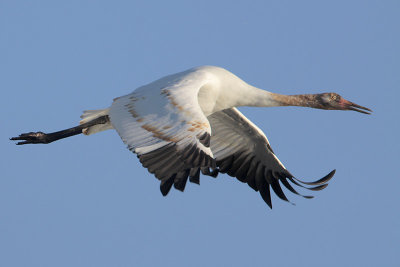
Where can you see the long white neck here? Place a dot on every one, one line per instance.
(255, 97)
(228, 90)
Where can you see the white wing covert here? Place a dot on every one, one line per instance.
(242, 150)
(164, 125)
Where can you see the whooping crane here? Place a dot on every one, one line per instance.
(187, 123)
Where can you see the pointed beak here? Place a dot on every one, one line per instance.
(347, 105)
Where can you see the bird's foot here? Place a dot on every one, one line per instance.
(32, 138)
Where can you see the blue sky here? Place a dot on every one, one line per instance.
(86, 201)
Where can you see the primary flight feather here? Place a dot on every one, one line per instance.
(187, 123)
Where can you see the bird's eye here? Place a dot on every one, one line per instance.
(334, 97)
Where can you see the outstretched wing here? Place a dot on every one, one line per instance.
(164, 125)
(242, 150)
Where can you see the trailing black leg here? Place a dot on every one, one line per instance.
(45, 138)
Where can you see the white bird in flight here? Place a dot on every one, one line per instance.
(187, 123)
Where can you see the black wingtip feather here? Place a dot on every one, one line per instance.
(180, 180)
(165, 185)
(251, 180)
(180, 185)
(266, 195)
(194, 175)
(321, 181)
(291, 189)
(278, 190)
(318, 188)
(262, 186)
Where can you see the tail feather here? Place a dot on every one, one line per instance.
(89, 115)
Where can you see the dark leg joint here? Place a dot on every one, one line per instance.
(32, 138)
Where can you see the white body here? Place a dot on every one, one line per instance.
(187, 121)
(177, 102)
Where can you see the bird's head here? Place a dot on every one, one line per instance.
(334, 101)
